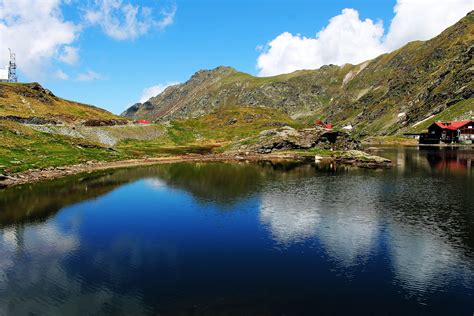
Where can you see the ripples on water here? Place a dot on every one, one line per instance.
(216, 238)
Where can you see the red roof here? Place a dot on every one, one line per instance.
(143, 122)
(321, 123)
(454, 125)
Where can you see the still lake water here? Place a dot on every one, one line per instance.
(245, 239)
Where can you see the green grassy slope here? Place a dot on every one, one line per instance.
(27, 100)
(23, 147)
(463, 110)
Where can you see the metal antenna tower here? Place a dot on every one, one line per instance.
(12, 68)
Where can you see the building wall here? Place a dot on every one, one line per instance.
(467, 132)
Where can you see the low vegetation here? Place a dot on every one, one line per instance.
(28, 100)
(24, 147)
(463, 110)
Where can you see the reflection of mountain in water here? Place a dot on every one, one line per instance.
(220, 183)
(36, 202)
(414, 214)
(226, 183)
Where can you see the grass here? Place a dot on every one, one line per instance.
(22, 148)
(458, 111)
(227, 124)
(310, 152)
(391, 140)
(29, 100)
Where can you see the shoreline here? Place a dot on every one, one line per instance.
(51, 173)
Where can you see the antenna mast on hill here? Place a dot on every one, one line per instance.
(12, 68)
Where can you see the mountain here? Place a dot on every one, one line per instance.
(386, 95)
(31, 103)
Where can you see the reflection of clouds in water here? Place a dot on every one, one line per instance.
(350, 223)
(297, 211)
(425, 260)
(40, 243)
(347, 237)
(291, 215)
(31, 265)
(156, 183)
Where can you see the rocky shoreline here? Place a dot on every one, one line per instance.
(352, 157)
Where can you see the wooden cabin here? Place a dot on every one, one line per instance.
(448, 132)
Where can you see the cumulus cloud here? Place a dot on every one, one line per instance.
(153, 91)
(89, 76)
(436, 15)
(123, 21)
(69, 55)
(61, 75)
(37, 32)
(41, 36)
(348, 39)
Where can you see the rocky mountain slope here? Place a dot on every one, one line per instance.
(31, 103)
(387, 95)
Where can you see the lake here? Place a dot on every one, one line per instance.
(244, 239)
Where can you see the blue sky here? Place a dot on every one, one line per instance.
(111, 67)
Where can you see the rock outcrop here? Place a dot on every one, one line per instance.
(288, 138)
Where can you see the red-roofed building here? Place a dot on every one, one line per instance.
(323, 124)
(449, 132)
(144, 122)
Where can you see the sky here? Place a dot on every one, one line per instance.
(114, 53)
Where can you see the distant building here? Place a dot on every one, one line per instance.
(323, 124)
(143, 122)
(448, 132)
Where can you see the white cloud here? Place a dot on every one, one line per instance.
(36, 31)
(155, 90)
(89, 76)
(39, 34)
(123, 21)
(423, 19)
(69, 55)
(348, 39)
(61, 75)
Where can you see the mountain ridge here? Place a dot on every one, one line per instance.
(385, 95)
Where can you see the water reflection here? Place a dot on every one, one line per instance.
(34, 279)
(197, 238)
(426, 261)
(436, 160)
(291, 213)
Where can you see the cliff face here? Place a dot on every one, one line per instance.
(383, 96)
